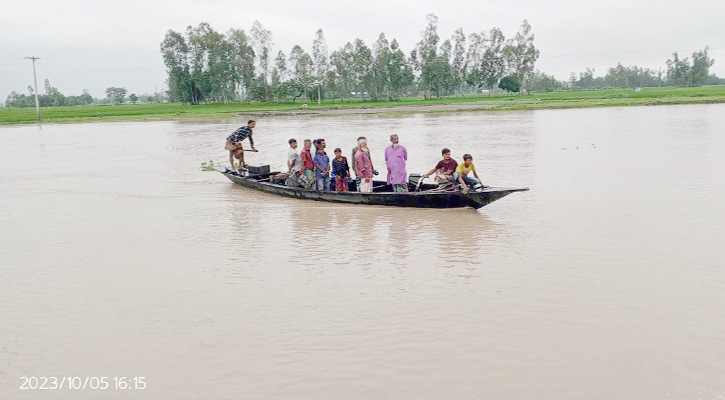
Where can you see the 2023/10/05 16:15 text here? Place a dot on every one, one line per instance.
(82, 383)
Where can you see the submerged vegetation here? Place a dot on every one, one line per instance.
(211, 164)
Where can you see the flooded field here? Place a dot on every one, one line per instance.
(120, 257)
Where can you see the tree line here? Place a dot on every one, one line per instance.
(678, 72)
(204, 65)
(52, 97)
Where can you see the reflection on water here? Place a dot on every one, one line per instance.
(120, 257)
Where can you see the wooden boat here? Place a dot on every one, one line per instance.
(425, 196)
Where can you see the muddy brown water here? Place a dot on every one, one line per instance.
(119, 257)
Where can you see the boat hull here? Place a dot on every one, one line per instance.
(423, 199)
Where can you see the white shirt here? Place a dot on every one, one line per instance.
(292, 155)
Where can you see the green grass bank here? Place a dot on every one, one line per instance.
(534, 101)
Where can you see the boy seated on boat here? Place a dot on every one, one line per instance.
(444, 169)
(462, 171)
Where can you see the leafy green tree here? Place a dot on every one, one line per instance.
(433, 62)
(446, 49)
(342, 61)
(241, 62)
(474, 59)
(540, 82)
(714, 80)
(320, 61)
(381, 67)
(175, 52)
(494, 62)
(285, 90)
(331, 82)
(700, 70)
(276, 80)
(678, 71)
(19, 100)
(428, 45)
(616, 77)
(521, 54)
(400, 73)
(280, 62)
(586, 79)
(301, 65)
(52, 97)
(510, 83)
(260, 90)
(262, 44)
(85, 98)
(486, 59)
(198, 57)
(362, 60)
(426, 53)
(437, 75)
(459, 62)
(133, 98)
(212, 59)
(116, 95)
(320, 57)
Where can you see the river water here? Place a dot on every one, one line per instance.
(120, 257)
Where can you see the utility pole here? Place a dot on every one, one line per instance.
(35, 80)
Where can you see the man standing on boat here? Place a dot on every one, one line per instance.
(354, 151)
(363, 166)
(322, 167)
(234, 143)
(294, 165)
(307, 162)
(395, 158)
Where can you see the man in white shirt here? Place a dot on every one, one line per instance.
(294, 165)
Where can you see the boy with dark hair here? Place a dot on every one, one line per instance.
(461, 174)
(341, 171)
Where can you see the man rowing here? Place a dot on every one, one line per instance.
(234, 143)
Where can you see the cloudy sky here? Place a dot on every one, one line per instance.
(95, 44)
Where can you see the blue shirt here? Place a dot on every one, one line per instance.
(321, 161)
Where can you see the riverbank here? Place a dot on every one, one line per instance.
(499, 102)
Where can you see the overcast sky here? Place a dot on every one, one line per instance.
(95, 44)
